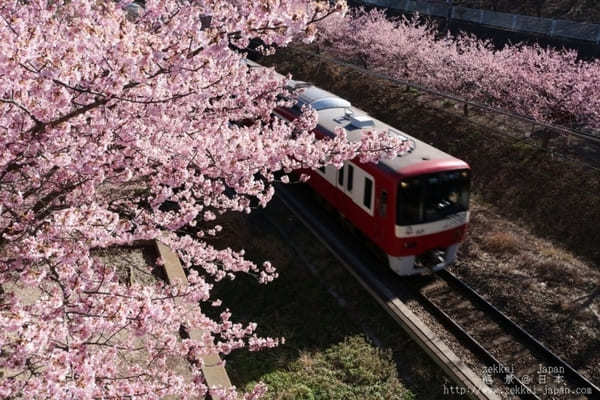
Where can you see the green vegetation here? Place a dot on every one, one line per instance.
(353, 369)
(325, 355)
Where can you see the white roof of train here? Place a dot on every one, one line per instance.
(331, 118)
(336, 112)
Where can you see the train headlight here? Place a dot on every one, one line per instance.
(403, 185)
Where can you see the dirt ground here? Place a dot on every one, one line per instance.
(543, 287)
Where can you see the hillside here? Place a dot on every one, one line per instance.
(517, 202)
(576, 10)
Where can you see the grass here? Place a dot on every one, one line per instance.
(352, 369)
(339, 344)
(501, 242)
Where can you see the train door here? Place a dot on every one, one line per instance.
(381, 211)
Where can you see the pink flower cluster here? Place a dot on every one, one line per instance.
(547, 85)
(117, 128)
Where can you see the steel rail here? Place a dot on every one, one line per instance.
(570, 373)
(503, 372)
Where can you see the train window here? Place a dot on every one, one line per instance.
(383, 203)
(433, 197)
(341, 176)
(368, 192)
(410, 202)
(350, 177)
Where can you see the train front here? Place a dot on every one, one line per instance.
(432, 213)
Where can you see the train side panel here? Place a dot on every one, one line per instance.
(377, 222)
(356, 192)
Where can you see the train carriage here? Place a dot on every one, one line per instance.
(414, 208)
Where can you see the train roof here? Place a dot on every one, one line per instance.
(422, 158)
(335, 112)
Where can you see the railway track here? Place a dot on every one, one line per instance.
(531, 370)
(570, 373)
(515, 361)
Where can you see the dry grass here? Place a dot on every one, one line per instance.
(537, 283)
(554, 271)
(501, 243)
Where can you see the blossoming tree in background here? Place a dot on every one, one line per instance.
(105, 120)
(547, 85)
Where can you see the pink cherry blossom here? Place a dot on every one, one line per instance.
(550, 86)
(121, 126)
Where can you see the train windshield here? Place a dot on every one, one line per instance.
(429, 198)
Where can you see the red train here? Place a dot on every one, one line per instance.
(414, 208)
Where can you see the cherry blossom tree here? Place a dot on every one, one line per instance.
(122, 126)
(548, 85)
